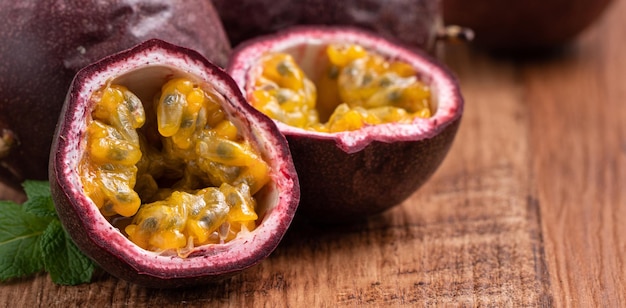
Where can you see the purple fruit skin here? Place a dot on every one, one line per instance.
(339, 186)
(413, 22)
(79, 223)
(45, 42)
(524, 26)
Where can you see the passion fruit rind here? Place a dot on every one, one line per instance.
(350, 175)
(142, 69)
(337, 186)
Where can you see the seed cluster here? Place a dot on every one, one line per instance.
(177, 169)
(358, 88)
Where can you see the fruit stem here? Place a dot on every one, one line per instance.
(455, 34)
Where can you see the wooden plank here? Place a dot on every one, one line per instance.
(578, 137)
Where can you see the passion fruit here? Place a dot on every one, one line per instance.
(163, 174)
(524, 26)
(44, 44)
(367, 120)
(414, 22)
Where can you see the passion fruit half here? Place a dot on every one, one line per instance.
(44, 44)
(163, 174)
(367, 120)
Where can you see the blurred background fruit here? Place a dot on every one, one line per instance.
(524, 25)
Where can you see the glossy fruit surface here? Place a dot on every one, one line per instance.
(163, 174)
(355, 173)
(45, 42)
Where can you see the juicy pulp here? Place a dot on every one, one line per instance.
(357, 88)
(173, 174)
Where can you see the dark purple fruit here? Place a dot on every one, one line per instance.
(533, 25)
(383, 121)
(163, 174)
(45, 42)
(413, 22)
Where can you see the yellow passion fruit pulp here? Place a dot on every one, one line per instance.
(194, 173)
(357, 88)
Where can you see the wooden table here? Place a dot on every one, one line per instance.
(528, 209)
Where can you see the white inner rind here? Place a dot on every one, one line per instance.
(144, 73)
(307, 46)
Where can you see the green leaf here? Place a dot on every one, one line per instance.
(32, 240)
(63, 260)
(39, 201)
(20, 253)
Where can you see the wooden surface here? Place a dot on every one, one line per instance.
(528, 209)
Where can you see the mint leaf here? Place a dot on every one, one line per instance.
(20, 253)
(39, 201)
(63, 261)
(33, 240)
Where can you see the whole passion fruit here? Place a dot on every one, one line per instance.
(367, 120)
(524, 26)
(163, 174)
(44, 44)
(414, 22)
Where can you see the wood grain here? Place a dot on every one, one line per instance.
(526, 210)
(578, 136)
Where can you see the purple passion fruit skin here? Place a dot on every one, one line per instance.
(44, 44)
(413, 22)
(528, 26)
(143, 70)
(349, 175)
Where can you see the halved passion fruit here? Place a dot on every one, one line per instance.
(367, 121)
(163, 174)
